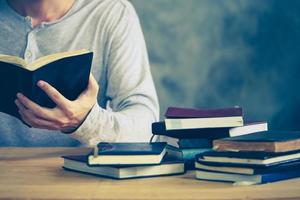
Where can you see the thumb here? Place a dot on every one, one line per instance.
(92, 88)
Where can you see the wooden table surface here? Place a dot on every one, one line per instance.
(36, 173)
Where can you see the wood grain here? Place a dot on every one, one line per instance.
(36, 173)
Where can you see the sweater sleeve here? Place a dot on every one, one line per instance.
(134, 105)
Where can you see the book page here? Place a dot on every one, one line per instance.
(41, 61)
(13, 60)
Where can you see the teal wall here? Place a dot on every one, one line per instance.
(213, 53)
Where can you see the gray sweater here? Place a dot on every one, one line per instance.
(127, 100)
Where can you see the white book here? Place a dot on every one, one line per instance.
(194, 123)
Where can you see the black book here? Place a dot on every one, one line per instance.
(68, 72)
(128, 153)
(248, 158)
(159, 128)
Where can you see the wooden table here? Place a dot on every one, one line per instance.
(36, 173)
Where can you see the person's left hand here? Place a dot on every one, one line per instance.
(67, 116)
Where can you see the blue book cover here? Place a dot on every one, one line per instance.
(248, 169)
(249, 179)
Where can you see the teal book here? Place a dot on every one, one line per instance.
(128, 153)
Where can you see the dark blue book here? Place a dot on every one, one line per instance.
(265, 141)
(248, 158)
(248, 169)
(247, 179)
(68, 72)
(128, 153)
(171, 164)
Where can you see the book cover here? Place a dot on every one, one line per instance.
(128, 153)
(270, 141)
(176, 112)
(67, 72)
(127, 148)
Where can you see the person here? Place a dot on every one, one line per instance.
(126, 104)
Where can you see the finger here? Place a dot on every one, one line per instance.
(23, 103)
(19, 105)
(25, 120)
(32, 120)
(93, 84)
(56, 97)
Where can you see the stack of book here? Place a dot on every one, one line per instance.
(193, 130)
(252, 159)
(128, 160)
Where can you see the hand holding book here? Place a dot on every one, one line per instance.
(66, 116)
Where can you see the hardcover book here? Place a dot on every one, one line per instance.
(68, 72)
(169, 166)
(128, 153)
(159, 128)
(250, 169)
(248, 179)
(248, 158)
(268, 141)
(194, 123)
(176, 112)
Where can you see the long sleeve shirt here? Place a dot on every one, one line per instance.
(127, 100)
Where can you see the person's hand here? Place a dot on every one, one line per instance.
(67, 116)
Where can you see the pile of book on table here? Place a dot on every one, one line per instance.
(193, 130)
(128, 160)
(255, 158)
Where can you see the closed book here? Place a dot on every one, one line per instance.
(194, 123)
(248, 158)
(170, 165)
(250, 169)
(177, 112)
(128, 153)
(68, 72)
(159, 128)
(267, 141)
(247, 179)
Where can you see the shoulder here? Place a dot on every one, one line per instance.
(110, 13)
(106, 6)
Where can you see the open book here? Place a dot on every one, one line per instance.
(68, 72)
